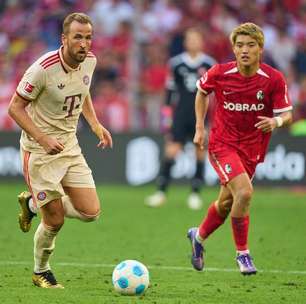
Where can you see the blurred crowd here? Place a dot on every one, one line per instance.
(133, 40)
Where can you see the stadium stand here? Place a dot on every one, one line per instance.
(133, 41)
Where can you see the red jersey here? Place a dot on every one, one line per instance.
(239, 101)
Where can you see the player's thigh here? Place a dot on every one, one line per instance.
(53, 214)
(43, 174)
(179, 132)
(79, 185)
(241, 186)
(78, 174)
(227, 164)
(85, 200)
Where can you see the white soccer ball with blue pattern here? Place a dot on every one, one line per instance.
(130, 277)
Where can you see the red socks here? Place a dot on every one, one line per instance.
(211, 222)
(240, 227)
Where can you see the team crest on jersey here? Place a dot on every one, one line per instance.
(228, 168)
(86, 80)
(41, 196)
(29, 87)
(260, 95)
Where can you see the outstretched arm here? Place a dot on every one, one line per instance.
(90, 115)
(201, 106)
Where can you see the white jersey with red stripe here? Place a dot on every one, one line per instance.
(56, 93)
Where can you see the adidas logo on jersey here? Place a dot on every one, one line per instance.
(60, 86)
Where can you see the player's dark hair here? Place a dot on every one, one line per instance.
(250, 29)
(79, 17)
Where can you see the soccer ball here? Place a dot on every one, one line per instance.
(130, 277)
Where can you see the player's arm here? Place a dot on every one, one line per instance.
(268, 124)
(171, 93)
(170, 85)
(17, 110)
(90, 115)
(281, 106)
(201, 106)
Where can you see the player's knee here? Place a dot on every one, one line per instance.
(91, 216)
(172, 150)
(244, 195)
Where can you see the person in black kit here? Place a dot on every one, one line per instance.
(185, 69)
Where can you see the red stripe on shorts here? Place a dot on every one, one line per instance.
(27, 175)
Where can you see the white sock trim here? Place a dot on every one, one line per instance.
(242, 252)
(44, 244)
(198, 237)
(32, 207)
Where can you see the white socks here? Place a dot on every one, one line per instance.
(243, 252)
(32, 208)
(44, 243)
(198, 237)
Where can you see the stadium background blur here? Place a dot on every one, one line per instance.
(133, 41)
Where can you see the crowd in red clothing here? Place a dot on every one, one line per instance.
(133, 41)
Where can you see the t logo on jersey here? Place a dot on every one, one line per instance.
(29, 88)
(71, 103)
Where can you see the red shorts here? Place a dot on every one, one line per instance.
(228, 163)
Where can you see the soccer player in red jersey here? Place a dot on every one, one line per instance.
(251, 101)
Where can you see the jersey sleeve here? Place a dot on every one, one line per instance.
(93, 66)
(280, 98)
(32, 82)
(207, 82)
(170, 85)
(170, 79)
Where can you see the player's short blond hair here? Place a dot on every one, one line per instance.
(250, 29)
(79, 17)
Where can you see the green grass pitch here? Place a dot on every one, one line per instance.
(87, 252)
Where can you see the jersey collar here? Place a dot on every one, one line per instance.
(65, 66)
(235, 70)
(192, 62)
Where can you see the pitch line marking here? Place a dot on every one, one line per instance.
(176, 268)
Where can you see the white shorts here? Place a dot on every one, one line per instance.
(46, 175)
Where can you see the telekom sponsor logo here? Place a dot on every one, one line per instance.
(243, 107)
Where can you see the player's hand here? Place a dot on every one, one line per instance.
(104, 136)
(51, 145)
(199, 137)
(166, 113)
(266, 124)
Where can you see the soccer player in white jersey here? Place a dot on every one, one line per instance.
(49, 99)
